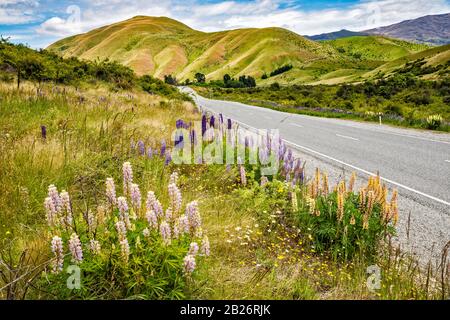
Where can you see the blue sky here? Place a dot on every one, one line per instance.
(38, 23)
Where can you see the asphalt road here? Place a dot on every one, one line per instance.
(415, 162)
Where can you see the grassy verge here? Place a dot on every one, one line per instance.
(270, 241)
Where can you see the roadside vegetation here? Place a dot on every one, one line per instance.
(88, 180)
(402, 99)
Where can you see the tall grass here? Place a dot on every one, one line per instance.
(265, 243)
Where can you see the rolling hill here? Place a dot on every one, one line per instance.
(375, 47)
(160, 46)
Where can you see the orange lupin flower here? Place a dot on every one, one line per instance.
(351, 183)
(370, 201)
(394, 206)
(317, 181)
(362, 198)
(325, 186)
(340, 205)
(352, 220)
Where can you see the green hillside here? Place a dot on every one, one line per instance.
(160, 46)
(375, 47)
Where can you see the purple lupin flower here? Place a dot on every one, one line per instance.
(204, 120)
(149, 152)
(221, 118)
(141, 147)
(168, 159)
(193, 136)
(44, 132)
(212, 122)
(163, 147)
(230, 124)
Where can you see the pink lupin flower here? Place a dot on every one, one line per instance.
(91, 221)
(65, 201)
(121, 230)
(94, 246)
(152, 219)
(75, 248)
(111, 192)
(173, 178)
(54, 195)
(164, 230)
(193, 215)
(57, 250)
(176, 230)
(193, 248)
(135, 197)
(151, 199)
(127, 171)
(205, 249)
(189, 264)
(169, 214)
(175, 197)
(243, 175)
(124, 249)
(50, 211)
(183, 224)
(157, 207)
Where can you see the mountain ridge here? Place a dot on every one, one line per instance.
(430, 29)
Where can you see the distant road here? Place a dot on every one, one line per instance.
(416, 162)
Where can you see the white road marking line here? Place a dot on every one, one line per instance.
(358, 169)
(296, 125)
(346, 137)
(447, 160)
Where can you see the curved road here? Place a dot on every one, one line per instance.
(415, 162)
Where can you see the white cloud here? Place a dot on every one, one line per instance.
(365, 15)
(234, 14)
(17, 11)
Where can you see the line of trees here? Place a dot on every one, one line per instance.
(278, 71)
(23, 63)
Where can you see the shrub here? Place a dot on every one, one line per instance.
(345, 223)
(125, 247)
(434, 121)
